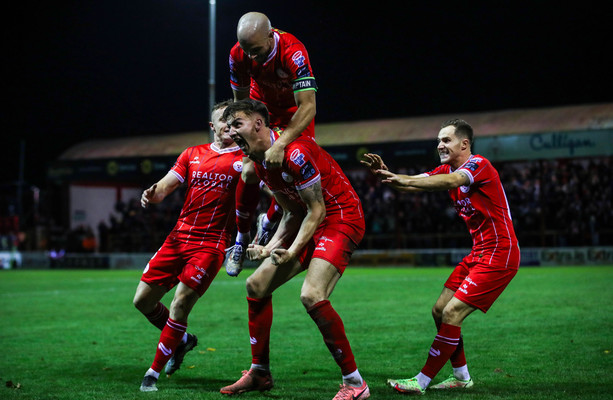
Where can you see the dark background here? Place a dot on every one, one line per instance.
(82, 70)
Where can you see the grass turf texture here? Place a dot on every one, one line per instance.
(75, 335)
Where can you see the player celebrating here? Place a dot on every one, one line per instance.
(321, 226)
(271, 66)
(479, 198)
(193, 252)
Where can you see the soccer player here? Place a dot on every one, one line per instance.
(193, 252)
(322, 224)
(477, 281)
(271, 66)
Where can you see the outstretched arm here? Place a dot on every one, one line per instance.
(419, 183)
(414, 183)
(158, 191)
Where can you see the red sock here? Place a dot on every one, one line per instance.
(274, 212)
(458, 358)
(247, 199)
(445, 343)
(260, 322)
(158, 316)
(332, 329)
(169, 340)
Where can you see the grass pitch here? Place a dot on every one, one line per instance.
(75, 335)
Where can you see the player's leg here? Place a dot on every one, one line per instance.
(267, 223)
(420, 382)
(318, 285)
(172, 334)
(247, 199)
(444, 345)
(147, 301)
(460, 376)
(260, 286)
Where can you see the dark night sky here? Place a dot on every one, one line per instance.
(80, 70)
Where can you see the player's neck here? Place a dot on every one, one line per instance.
(460, 161)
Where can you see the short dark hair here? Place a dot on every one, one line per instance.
(462, 128)
(249, 107)
(221, 104)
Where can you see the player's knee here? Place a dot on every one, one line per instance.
(451, 315)
(310, 297)
(255, 289)
(436, 314)
(142, 304)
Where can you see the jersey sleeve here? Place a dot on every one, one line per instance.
(296, 59)
(441, 169)
(181, 167)
(239, 76)
(477, 169)
(302, 168)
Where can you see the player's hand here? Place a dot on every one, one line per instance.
(280, 256)
(257, 252)
(274, 156)
(374, 162)
(147, 195)
(392, 179)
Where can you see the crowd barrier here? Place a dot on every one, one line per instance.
(532, 256)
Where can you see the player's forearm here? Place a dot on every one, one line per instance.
(289, 224)
(434, 182)
(311, 221)
(299, 122)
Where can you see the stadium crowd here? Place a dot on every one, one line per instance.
(553, 203)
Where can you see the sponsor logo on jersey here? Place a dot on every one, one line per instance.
(471, 165)
(297, 158)
(298, 58)
(211, 179)
(307, 170)
(195, 160)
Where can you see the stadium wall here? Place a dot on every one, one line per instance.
(534, 256)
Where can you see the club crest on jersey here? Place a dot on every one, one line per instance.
(298, 58)
(238, 166)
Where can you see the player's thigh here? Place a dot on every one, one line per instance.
(268, 277)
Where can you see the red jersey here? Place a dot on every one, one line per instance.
(208, 213)
(306, 163)
(484, 208)
(287, 70)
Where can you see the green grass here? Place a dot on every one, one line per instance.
(75, 335)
